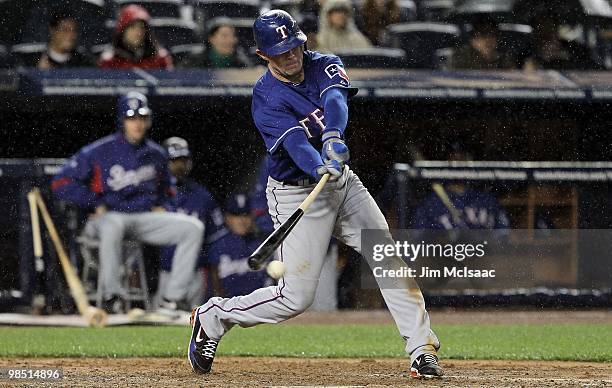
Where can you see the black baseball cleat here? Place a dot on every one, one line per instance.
(201, 353)
(426, 365)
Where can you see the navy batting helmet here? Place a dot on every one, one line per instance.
(238, 204)
(277, 32)
(177, 147)
(131, 105)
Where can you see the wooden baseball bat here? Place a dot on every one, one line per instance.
(443, 195)
(275, 239)
(35, 221)
(93, 316)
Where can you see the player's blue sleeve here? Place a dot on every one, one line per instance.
(332, 75)
(336, 110)
(303, 153)
(274, 121)
(79, 181)
(166, 187)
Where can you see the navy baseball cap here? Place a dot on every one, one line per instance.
(238, 205)
(177, 147)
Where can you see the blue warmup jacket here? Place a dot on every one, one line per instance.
(125, 177)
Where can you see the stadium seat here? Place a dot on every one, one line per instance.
(5, 57)
(174, 32)
(89, 14)
(98, 49)
(434, 10)
(421, 40)
(156, 8)
(291, 6)
(465, 11)
(375, 57)
(183, 51)
(209, 9)
(515, 39)
(28, 54)
(408, 10)
(132, 267)
(13, 14)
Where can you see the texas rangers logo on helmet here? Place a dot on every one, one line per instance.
(133, 103)
(336, 70)
(282, 30)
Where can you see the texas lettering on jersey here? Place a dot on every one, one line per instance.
(121, 178)
(316, 117)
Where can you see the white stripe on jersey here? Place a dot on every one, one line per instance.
(277, 142)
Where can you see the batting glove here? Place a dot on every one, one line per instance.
(332, 167)
(334, 148)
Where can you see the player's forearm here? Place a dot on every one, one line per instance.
(303, 153)
(66, 189)
(336, 112)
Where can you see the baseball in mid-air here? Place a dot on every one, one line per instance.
(275, 269)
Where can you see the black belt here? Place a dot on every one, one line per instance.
(300, 182)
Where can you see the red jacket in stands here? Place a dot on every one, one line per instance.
(146, 54)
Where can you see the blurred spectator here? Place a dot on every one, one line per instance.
(134, 44)
(310, 9)
(194, 200)
(124, 182)
(62, 50)
(376, 15)
(310, 26)
(337, 29)
(471, 208)
(233, 250)
(549, 51)
(309, 23)
(222, 49)
(482, 52)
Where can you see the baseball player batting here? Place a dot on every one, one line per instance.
(300, 108)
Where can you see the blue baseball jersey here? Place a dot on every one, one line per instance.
(113, 172)
(280, 108)
(231, 255)
(193, 199)
(259, 202)
(479, 210)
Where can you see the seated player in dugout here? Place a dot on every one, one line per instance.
(134, 44)
(124, 182)
(194, 200)
(471, 208)
(63, 50)
(230, 255)
(300, 107)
